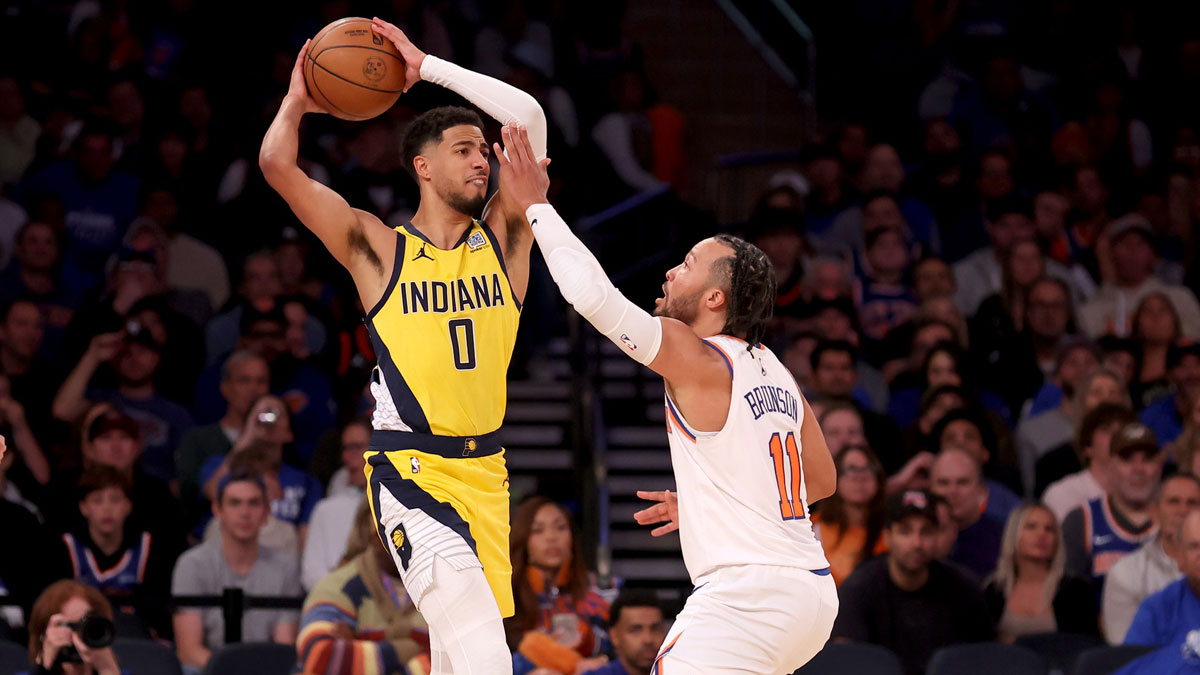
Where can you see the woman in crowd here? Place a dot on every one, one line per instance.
(1029, 592)
(1156, 326)
(558, 626)
(850, 522)
(65, 602)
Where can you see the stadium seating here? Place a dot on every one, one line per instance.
(1105, 660)
(13, 657)
(837, 658)
(986, 658)
(146, 657)
(252, 658)
(1060, 649)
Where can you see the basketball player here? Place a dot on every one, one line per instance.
(747, 452)
(444, 293)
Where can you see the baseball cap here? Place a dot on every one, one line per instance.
(911, 503)
(1134, 437)
(1177, 351)
(1131, 222)
(113, 419)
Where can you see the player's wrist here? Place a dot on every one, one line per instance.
(535, 209)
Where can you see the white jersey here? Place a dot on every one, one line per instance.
(741, 489)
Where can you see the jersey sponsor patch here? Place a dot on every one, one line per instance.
(476, 241)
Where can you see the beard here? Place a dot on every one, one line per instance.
(468, 205)
(680, 308)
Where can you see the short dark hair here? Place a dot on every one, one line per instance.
(632, 597)
(428, 128)
(98, 477)
(831, 346)
(750, 279)
(240, 473)
(6, 308)
(1103, 415)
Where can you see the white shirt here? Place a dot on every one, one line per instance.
(1131, 580)
(328, 531)
(741, 489)
(1070, 492)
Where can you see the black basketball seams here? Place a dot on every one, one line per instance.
(317, 64)
(349, 115)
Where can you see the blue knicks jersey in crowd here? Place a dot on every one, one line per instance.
(1107, 540)
(120, 579)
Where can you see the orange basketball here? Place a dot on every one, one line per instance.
(352, 71)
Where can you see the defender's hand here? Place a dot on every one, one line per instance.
(412, 56)
(298, 88)
(667, 510)
(523, 180)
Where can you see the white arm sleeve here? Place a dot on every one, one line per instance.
(502, 101)
(584, 284)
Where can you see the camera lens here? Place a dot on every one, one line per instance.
(268, 416)
(95, 631)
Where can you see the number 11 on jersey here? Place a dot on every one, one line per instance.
(786, 456)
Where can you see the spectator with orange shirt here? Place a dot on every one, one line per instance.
(849, 523)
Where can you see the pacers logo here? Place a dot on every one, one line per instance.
(469, 446)
(402, 545)
(374, 69)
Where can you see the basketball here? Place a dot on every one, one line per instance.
(352, 71)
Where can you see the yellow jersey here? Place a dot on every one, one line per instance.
(443, 333)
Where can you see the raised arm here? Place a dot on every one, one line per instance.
(667, 346)
(357, 239)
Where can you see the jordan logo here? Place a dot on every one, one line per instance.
(422, 254)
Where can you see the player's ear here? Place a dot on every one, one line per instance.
(421, 164)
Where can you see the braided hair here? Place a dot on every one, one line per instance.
(750, 279)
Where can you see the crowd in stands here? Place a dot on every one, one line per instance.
(989, 301)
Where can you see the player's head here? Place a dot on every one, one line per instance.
(445, 152)
(637, 629)
(724, 276)
(105, 498)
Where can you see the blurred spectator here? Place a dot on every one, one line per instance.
(967, 430)
(358, 619)
(906, 600)
(260, 291)
(34, 275)
(932, 278)
(981, 274)
(23, 576)
(880, 210)
(1101, 386)
(113, 438)
(947, 528)
(849, 522)
(291, 493)
(1092, 443)
(191, 264)
(957, 476)
(1103, 531)
(842, 424)
(1030, 592)
(1184, 450)
(918, 439)
(32, 470)
(135, 354)
(333, 516)
(1169, 617)
(62, 603)
(100, 202)
(830, 194)
(1156, 326)
(1156, 564)
(945, 364)
(835, 374)
(234, 560)
(1166, 415)
(127, 564)
(1050, 225)
(1050, 319)
(304, 388)
(33, 379)
(625, 136)
(883, 174)
(778, 233)
(637, 630)
(560, 619)
(245, 379)
(18, 131)
(886, 300)
(1131, 245)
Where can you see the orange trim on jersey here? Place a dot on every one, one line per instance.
(658, 669)
(674, 417)
(734, 337)
(1131, 537)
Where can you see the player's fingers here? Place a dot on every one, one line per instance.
(499, 152)
(655, 514)
(657, 496)
(523, 142)
(665, 529)
(545, 164)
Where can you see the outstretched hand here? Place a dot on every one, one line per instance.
(665, 511)
(523, 179)
(412, 56)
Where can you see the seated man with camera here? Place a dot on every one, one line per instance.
(71, 632)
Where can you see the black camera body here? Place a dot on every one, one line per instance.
(94, 631)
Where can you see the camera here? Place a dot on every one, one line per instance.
(94, 631)
(132, 328)
(268, 417)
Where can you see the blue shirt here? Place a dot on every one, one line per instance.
(301, 492)
(1048, 397)
(163, 423)
(1165, 620)
(1162, 417)
(613, 667)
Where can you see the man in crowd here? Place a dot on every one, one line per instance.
(958, 477)
(234, 560)
(1104, 530)
(1093, 444)
(906, 600)
(636, 629)
(333, 516)
(1148, 570)
(1166, 415)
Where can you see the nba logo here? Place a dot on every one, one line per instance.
(416, 464)
(628, 343)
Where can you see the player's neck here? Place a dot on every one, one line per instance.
(440, 223)
(107, 542)
(708, 324)
(239, 555)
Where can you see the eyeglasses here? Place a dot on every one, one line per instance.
(854, 470)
